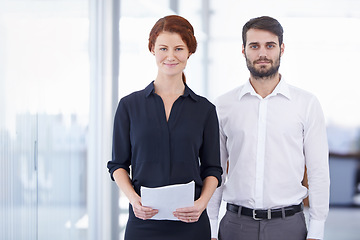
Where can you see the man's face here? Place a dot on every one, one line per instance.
(262, 53)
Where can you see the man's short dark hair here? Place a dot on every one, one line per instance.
(264, 23)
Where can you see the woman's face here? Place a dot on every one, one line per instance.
(171, 53)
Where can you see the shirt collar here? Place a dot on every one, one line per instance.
(247, 89)
(281, 88)
(149, 90)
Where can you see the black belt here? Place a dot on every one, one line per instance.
(266, 214)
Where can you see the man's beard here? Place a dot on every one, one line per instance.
(262, 72)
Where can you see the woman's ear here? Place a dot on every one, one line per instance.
(152, 51)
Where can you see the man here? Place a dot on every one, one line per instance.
(269, 132)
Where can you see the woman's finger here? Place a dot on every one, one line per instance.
(145, 212)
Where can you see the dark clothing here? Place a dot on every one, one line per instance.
(160, 152)
(167, 230)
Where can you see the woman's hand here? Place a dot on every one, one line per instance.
(141, 211)
(190, 214)
(123, 181)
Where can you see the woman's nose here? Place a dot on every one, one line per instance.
(170, 56)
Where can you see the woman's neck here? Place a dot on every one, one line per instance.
(169, 86)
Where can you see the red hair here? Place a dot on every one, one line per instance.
(174, 24)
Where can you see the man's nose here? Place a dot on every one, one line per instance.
(262, 52)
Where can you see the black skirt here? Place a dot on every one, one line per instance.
(138, 229)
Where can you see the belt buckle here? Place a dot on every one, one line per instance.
(257, 219)
(254, 215)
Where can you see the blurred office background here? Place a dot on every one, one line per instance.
(64, 65)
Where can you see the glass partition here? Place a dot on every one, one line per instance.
(44, 105)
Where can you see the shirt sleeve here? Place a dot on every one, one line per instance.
(317, 163)
(210, 152)
(121, 149)
(215, 202)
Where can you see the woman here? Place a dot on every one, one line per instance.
(168, 135)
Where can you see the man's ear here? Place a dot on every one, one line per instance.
(243, 50)
(282, 48)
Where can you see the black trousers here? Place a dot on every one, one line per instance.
(138, 229)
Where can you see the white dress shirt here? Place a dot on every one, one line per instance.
(267, 142)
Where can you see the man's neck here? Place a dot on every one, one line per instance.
(265, 86)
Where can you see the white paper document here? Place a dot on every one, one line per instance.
(167, 199)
